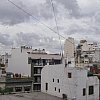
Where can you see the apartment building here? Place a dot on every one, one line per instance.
(38, 59)
(87, 53)
(96, 57)
(29, 62)
(69, 48)
(2, 80)
(4, 63)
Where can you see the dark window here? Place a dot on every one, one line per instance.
(84, 91)
(29, 60)
(55, 88)
(91, 90)
(58, 80)
(59, 90)
(69, 62)
(46, 86)
(53, 79)
(69, 75)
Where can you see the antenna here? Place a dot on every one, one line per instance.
(56, 23)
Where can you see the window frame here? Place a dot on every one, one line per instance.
(84, 91)
(59, 90)
(91, 90)
(69, 75)
(57, 80)
(53, 80)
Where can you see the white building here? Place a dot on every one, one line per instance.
(72, 81)
(87, 54)
(96, 57)
(69, 48)
(18, 63)
(88, 46)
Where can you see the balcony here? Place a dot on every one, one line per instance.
(38, 66)
(38, 74)
(37, 83)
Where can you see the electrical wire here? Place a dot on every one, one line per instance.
(35, 18)
(56, 23)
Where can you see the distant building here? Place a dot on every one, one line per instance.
(69, 48)
(2, 80)
(4, 63)
(87, 54)
(96, 57)
(18, 63)
(73, 82)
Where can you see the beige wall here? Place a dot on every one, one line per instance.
(69, 48)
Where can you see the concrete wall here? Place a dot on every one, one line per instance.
(97, 55)
(69, 47)
(2, 82)
(18, 63)
(73, 87)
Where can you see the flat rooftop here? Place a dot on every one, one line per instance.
(29, 96)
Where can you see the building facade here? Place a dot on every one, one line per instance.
(87, 54)
(69, 48)
(29, 63)
(38, 60)
(59, 80)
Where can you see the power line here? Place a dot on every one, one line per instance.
(56, 24)
(35, 18)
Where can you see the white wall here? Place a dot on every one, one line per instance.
(69, 47)
(18, 63)
(97, 55)
(73, 87)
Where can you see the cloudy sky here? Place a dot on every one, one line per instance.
(75, 18)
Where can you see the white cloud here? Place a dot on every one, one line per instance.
(89, 6)
(76, 18)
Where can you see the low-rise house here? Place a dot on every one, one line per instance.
(72, 82)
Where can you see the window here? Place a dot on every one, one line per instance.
(69, 62)
(46, 86)
(91, 90)
(84, 91)
(55, 88)
(69, 75)
(53, 79)
(58, 80)
(59, 90)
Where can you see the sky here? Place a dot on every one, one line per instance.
(79, 19)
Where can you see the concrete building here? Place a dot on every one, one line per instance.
(74, 82)
(2, 80)
(19, 84)
(38, 60)
(86, 54)
(29, 62)
(88, 46)
(18, 63)
(69, 48)
(96, 57)
(4, 63)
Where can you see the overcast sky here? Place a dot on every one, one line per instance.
(75, 18)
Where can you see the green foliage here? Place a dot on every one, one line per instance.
(0, 89)
(6, 90)
(2, 65)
